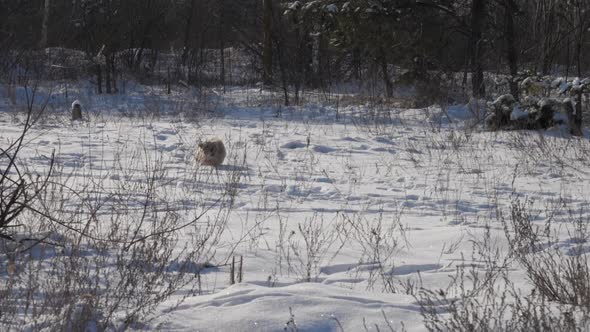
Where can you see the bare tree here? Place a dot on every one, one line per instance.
(17, 192)
(267, 48)
(476, 46)
(581, 21)
(45, 24)
(510, 9)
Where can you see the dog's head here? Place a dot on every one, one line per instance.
(208, 147)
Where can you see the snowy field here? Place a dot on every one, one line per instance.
(341, 214)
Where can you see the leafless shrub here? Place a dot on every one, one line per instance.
(113, 240)
(18, 189)
(558, 275)
(380, 119)
(380, 240)
(483, 297)
(309, 246)
(499, 308)
(291, 324)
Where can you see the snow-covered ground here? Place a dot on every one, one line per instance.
(337, 209)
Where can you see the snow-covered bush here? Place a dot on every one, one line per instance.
(545, 102)
(502, 109)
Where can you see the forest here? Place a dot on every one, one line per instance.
(304, 44)
(311, 165)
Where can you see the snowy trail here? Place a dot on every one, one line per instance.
(315, 307)
(301, 168)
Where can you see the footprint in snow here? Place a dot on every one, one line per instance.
(411, 268)
(362, 147)
(384, 140)
(323, 149)
(168, 132)
(168, 148)
(274, 188)
(294, 145)
(163, 135)
(337, 268)
(351, 139)
(392, 151)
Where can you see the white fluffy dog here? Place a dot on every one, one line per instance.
(211, 153)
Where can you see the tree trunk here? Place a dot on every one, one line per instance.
(76, 111)
(549, 29)
(107, 72)
(114, 74)
(144, 44)
(298, 73)
(576, 128)
(267, 48)
(168, 83)
(356, 63)
(572, 116)
(385, 73)
(137, 59)
(476, 45)
(187, 33)
(511, 51)
(323, 61)
(222, 65)
(45, 24)
(98, 77)
(307, 58)
(282, 69)
(221, 46)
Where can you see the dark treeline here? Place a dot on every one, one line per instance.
(303, 44)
